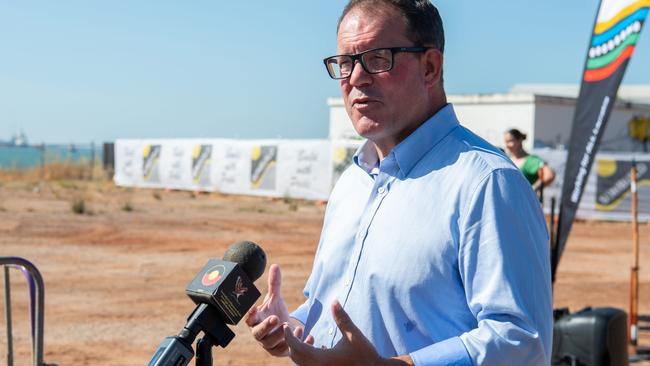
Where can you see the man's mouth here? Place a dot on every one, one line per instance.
(363, 102)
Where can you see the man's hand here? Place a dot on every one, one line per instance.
(353, 348)
(265, 321)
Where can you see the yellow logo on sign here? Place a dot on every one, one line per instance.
(639, 128)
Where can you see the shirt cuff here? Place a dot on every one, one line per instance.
(301, 313)
(450, 352)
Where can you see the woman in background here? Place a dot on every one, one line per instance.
(532, 166)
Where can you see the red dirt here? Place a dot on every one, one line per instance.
(115, 278)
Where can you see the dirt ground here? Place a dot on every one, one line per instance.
(115, 274)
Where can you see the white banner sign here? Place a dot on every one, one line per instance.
(306, 169)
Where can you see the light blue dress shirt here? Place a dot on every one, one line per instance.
(440, 251)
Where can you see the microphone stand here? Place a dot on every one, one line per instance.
(177, 351)
(215, 332)
(204, 351)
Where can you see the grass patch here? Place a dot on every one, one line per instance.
(291, 202)
(127, 207)
(210, 206)
(78, 170)
(78, 206)
(67, 184)
(259, 209)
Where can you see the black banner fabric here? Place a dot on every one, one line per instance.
(586, 134)
(616, 32)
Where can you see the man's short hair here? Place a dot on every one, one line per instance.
(422, 19)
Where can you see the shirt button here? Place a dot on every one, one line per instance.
(381, 190)
(331, 331)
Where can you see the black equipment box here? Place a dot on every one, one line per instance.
(590, 337)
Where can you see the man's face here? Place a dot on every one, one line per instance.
(385, 107)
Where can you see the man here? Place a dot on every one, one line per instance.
(434, 248)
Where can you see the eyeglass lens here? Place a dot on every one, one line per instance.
(373, 61)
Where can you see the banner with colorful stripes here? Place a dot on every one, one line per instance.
(615, 37)
(613, 41)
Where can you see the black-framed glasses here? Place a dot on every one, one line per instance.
(373, 61)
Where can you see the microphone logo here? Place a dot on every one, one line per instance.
(240, 289)
(213, 275)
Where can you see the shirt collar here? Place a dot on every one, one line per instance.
(408, 152)
(366, 158)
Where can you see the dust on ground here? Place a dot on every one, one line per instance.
(116, 269)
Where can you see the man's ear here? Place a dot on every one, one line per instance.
(432, 61)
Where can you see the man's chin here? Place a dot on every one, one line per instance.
(367, 122)
(369, 132)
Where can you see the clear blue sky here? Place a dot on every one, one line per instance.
(80, 71)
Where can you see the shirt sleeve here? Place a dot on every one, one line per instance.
(505, 268)
(450, 352)
(301, 313)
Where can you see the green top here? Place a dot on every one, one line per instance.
(530, 167)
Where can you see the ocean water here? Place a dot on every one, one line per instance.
(13, 157)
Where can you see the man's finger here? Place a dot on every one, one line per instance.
(274, 342)
(343, 320)
(301, 353)
(310, 340)
(298, 332)
(280, 350)
(251, 317)
(274, 280)
(291, 339)
(261, 330)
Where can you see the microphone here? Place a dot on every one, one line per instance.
(223, 291)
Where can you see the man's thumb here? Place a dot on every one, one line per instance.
(343, 320)
(275, 280)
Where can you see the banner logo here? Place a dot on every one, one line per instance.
(150, 158)
(263, 166)
(614, 39)
(213, 275)
(614, 182)
(201, 158)
(342, 158)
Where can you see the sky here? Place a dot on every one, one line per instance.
(81, 71)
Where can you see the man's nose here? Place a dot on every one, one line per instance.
(359, 75)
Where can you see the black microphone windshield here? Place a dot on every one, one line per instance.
(249, 256)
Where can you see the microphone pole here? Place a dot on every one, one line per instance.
(216, 333)
(204, 352)
(177, 350)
